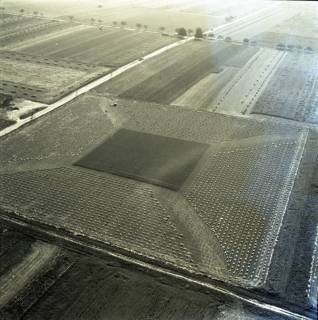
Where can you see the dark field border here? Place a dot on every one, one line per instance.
(269, 114)
(6, 123)
(252, 298)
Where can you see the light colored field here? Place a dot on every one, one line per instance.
(171, 75)
(203, 92)
(42, 80)
(304, 24)
(300, 30)
(111, 46)
(40, 75)
(37, 39)
(241, 93)
(132, 12)
(19, 276)
(258, 21)
(141, 73)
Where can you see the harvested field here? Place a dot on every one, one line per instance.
(132, 13)
(111, 46)
(296, 82)
(257, 23)
(41, 169)
(168, 77)
(297, 32)
(28, 268)
(290, 41)
(31, 30)
(74, 287)
(201, 95)
(4, 123)
(16, 30)
(240, 94)
(43, 80)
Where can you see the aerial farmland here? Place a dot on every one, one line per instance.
(158, 160)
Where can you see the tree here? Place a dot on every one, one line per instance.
(92, 20)
(99, 6)
(280, 46)
(228, 39)
(115, 23)
(145, 27)
(246, 40)
(138, 25)
(21, 11)
(123, 23)
(190, 31)
(290, 47)
(309, 49)
(35, 13)
(162, 29)
(198, 33)
(182, 32)
(71, 18)
(100, 21)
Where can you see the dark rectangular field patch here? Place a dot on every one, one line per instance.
(146, 157)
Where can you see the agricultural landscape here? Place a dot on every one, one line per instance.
(158, 159)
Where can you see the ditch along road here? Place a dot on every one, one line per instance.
(95, 83)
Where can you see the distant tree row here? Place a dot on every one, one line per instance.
(291, 47)
(35, 13)
(182, 32)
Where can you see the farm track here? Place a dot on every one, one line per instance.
(242, 92)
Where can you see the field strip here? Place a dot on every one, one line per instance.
(264, 82)
(243, 91)
(71, 96)
(19, 276)
(41, 38)
(218, 101)
(251, 15)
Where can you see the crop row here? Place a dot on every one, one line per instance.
(292, 92)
